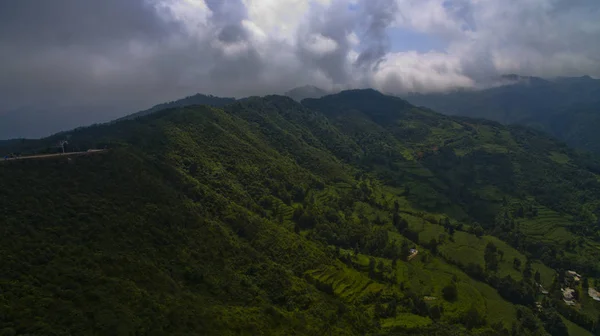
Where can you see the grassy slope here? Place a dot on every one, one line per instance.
(574, 329)
(468, 169)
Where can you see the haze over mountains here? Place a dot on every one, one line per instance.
(307, 91)
(567, 108)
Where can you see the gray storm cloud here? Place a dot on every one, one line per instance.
(65, 63)
(380, 14)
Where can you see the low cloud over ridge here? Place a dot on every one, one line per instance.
(128, 55)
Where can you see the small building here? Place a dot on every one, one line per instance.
(594, 294)
(413, 253)
(574, 276)
(568, 296)
(567, 293)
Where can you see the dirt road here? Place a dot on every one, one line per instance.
(44, 156)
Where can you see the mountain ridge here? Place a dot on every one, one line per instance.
(566, 108)
(307, 91)
(280, 217)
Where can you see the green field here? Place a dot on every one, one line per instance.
(574, 329)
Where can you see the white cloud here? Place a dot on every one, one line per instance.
(280, 19)
(534, 37)
(193, 14)
(414, 72)
(126, 52)
(320, 45)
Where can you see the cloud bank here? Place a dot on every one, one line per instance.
(65, 56)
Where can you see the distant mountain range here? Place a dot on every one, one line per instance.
(298, 94)
(567, 107)
(308, 91)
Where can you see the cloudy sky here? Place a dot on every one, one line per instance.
(65, 63)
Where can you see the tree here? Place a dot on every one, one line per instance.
(379, 310)
(404, 250)
(490, 256)
(400, 223)
(433, 245)
(391, 308)
(371, 267)
(520, 212)
(561, 276)
(585, 283)
(435, 312)
(473, 318)
(527, 271)
(478, 230)
(450, 292)
(537, 277)
(517, 264)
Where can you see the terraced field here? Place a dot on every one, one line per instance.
(466, 248)
(547, 226)
(405, 322)
(349, 284)
(424, 275)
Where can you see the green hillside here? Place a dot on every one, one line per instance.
(268, 217)
(568, 108)
(197, 99)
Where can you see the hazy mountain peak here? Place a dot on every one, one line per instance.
(196, 99)
(523, 79)
(306, 91)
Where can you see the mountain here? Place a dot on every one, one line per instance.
(353, 214)
(567, 108)
(197, 99)
(307, 91)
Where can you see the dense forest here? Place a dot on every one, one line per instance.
(352, 214)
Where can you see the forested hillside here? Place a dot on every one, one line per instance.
(352, 214)
(197, 99)
(568, 108)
